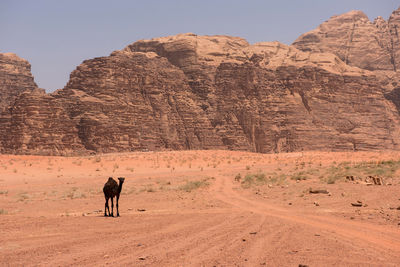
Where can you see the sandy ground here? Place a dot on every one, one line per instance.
(187, 209)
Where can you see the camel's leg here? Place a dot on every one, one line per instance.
(117, 206)
(112, 207)
(106, 207)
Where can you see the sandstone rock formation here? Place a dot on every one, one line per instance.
(220, 92)
(269, 97)
(37, 124)
(15, 78)
(134, 101)
(357, 41)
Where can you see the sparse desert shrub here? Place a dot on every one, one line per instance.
(115, 167)
(66, 214)
(313, 171)
(299, 176)
(96, 160)
(3, 212)
(276, 178)
(247, 167)
(254, 179)
(164, 187)
(331, 180)
(193, 185)
(23, 196)
(75, 193)
(361, 169)
(150, 190)
(78, 163)
(238, 177)
(3, 192)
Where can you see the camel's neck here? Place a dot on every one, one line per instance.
(120, 187)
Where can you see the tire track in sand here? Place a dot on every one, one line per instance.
(367, 235)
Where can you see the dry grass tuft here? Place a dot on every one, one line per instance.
(75, 193)
(254, 179)
(193, 185)
(338, 172)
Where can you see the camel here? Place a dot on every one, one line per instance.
(111, 189)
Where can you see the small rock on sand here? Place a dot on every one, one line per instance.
(318, 191)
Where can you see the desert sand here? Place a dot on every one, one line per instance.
(192, 208)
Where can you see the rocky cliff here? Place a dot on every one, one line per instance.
(269, 97)
(15, 78)
(372, 45)
(220, 92)
(37, 123)
(135, 101)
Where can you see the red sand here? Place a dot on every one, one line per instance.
(50, 212)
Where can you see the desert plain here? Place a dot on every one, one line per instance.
(202, 208)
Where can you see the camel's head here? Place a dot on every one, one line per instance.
(121, 179)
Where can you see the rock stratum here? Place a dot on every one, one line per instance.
(15, 78)
(335, 88)
(357, 41)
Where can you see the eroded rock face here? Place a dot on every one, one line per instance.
(220, 92)
(37, 124)
(135, 101)
(357, 41)
(15, 78)
(269, 97)
(373, 46)
(293, 109)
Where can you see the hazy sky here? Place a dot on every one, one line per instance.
(56, 36)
